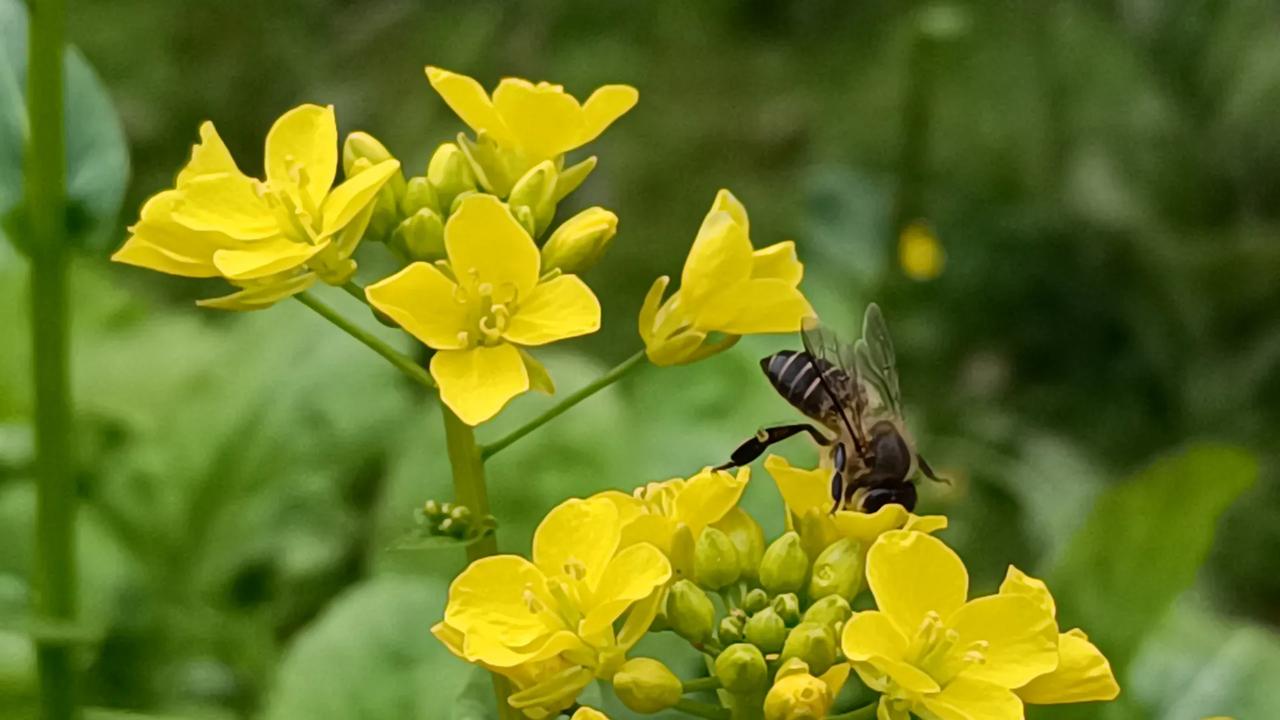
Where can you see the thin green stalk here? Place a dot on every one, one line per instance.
(355, 291)
(590, 389)
(866, 712)
(700, 684)
(45, 187)
(469, 490)
(406, 364)
(701, 709)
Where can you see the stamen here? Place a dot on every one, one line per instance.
(575, 568)
(531, 600)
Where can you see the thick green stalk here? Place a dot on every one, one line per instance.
(585, 392)
(700, 684)
(701, 709)
(45, 187)
(406, 364)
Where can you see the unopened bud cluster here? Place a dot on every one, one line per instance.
(456, 521)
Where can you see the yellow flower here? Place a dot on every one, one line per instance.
(931, 652)
(919, 252)
(529, 123)
(797, 695)
(727, 287)
(1083, 673)
(586, 713)
(272, 237)
(483, 307)
(670, 515)
(808, 499)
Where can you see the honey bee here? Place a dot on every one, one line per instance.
(852, 392)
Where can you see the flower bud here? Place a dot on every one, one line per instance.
(362, 146)
(755, 600)
(690, 612)
(571, 177)
(715, 561)
(449, 174)
(730, 630)
(766, 630)
(420, 236)
(419, 194)
(797, 695)
(785, 565)
(747, 538)
(838, 570)
(787, 605)
(814, 643)
(831, 610)
(741, 668)
(579, 243)
(536, 191)
(646, 685)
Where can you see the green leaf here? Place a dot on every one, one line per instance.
(1143, 544)
(97, 155)
(370, 657)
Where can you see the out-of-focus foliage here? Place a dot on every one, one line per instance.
(1104, 178)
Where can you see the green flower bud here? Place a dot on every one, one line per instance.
(690, 612)
(785, 566)
(755, 600)
(420, 236)
(457, 200)
(362, 146)
(715, 561)
(646, 686)
(766, 630)
(814, 643)
(730, 630)
(571, 177)
(838, 570)
(579, 243)
(449, 173)
(747, 537)
(536, 191)
(419, 194)
(741, 669)
(787, 605)
(831, 610)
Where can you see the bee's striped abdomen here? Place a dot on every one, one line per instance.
(795, 376)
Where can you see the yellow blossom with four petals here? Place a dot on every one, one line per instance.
(727, 287)
(481, 308)
(271, 237)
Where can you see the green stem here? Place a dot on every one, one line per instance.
(355, 291)
(701, 709)
(469, 490)
(416, 372)
(45, 187)
(866, 712)
(700, 684)
(583, 393)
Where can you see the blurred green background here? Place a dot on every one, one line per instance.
(1104, 176)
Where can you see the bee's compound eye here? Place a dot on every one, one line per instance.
(904, 495)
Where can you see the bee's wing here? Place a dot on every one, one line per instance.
(827, 353)
(876, 359)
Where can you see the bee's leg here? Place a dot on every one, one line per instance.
(755, 447)
(839, 459)
(928, 471)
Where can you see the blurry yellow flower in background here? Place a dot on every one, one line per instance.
(272, 238)
(920, 252)
(932, 652)
(549, 624)
(483, 307)
(726, 287)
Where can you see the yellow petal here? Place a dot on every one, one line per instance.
(754, 306)
(657, 530)
(1021, 637)
(544, 120)
(802, 490)
(968, 699)
(140, 252)
(707, 496)
(486, 246)
(729, 203)
(481, 645)
(160, 243)
(926, 523)
(424, 302)
(505, 597)
(577, 539)
(303, 146)
(629, 507)
(640, 619)
(649, 308)
(561, 308)
(879, 672)
(586, 713)
(1017, 582)
(911, 574)
(1083, 675)
(227, 203)
(355, 194)
(720, 258)
(449, 636)
(264, 257)
(866, 527)
(871, 634)
(478, 382)
(539, 378)
(835, 678)
(551, 693)
(606, 104)
(470, 102)
(677, 350)
(632, 575)
(261, 296)
(209, 156)
(777, 262)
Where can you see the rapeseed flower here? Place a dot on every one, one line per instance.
(272, 237)
(483, 307)
(727, 287)
(799, 695)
